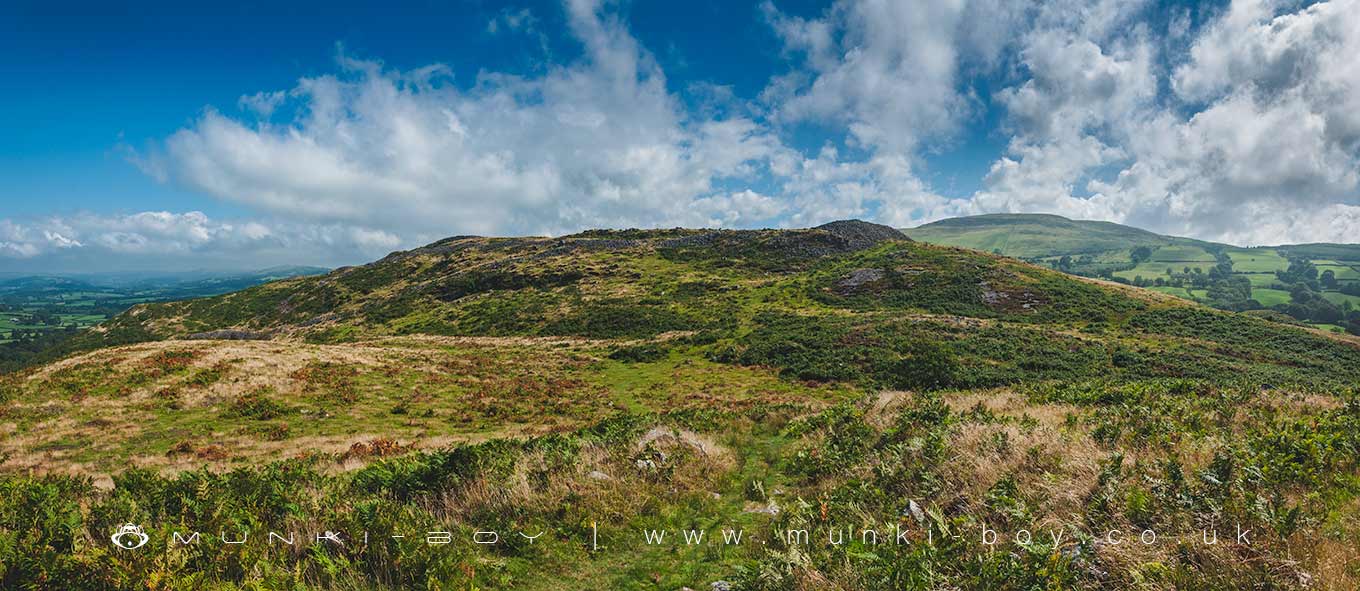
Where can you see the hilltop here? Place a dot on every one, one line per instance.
(763, 379)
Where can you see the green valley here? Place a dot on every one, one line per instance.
(40, 312)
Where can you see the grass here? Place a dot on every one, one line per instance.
(1338, 298)
(1257, 260)
(1042, 458)
(1181, 253)
(158, 395)
(1270, 297)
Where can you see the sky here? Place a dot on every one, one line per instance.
(177, 135)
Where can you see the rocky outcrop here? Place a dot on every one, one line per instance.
(860, 235)
(229, 335)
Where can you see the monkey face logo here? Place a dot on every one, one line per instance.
(130, 537)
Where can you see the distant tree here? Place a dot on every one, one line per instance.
(1301, 294)
(1328, 314)
(1300, 270)
(1140, 254)
(1328, 279)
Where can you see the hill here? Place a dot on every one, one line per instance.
(1220, 275)
(596, 386)
(1037, 236)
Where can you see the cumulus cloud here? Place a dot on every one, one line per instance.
(600, 142)
(1257, 137)
(1241, 124)
(1069, 114)
(888, 71)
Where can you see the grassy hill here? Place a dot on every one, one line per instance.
(594, 386)
(1250, 277)
(1036, 236)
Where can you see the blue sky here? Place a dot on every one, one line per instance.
(177, 135)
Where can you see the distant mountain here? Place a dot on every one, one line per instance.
(1040, 236)
(11, 281)
(1037, 235)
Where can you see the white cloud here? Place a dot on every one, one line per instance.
(1069, 116)
(262, 103)
(512, 20)
(888, 71)
(597, 143)
(1240, 125)
(1259, 136)
(156, 239)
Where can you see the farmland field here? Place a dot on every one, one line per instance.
(1257, 260)
(1270, 297)
(1343, 272)
(1338, 298)
(1259, 279)
(1153, 269)
(1180, 254)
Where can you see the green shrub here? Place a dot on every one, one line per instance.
(256, 405)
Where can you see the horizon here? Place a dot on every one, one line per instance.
(173, 138)
(152, 271)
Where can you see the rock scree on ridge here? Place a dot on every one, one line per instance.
(860, 234)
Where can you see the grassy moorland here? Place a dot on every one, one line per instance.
(592, 388)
